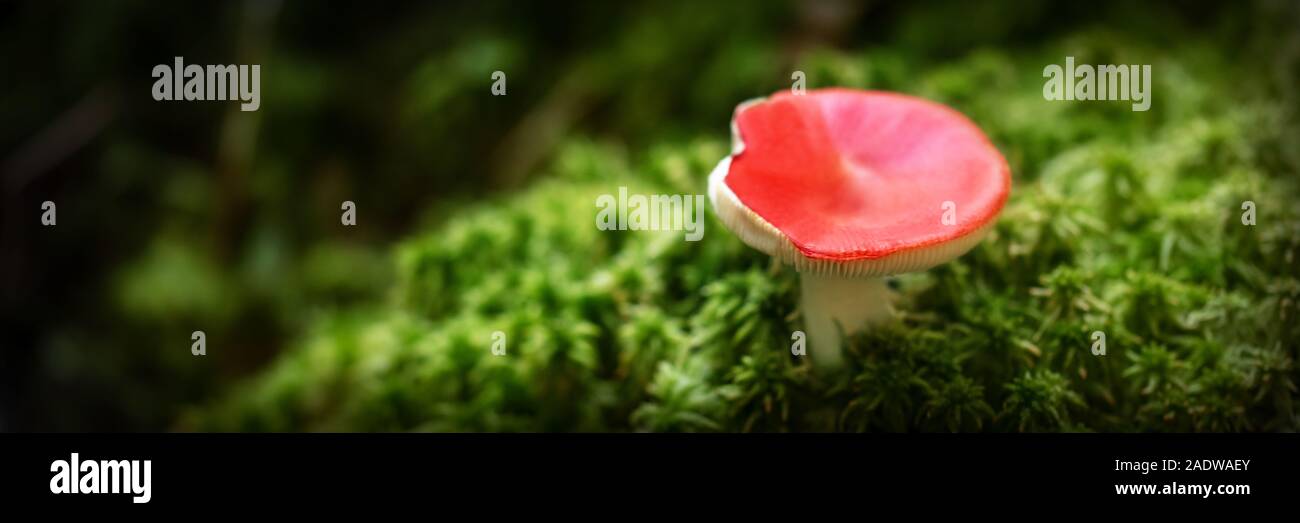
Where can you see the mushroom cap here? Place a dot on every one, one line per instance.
(855, 183)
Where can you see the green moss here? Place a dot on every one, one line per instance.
(1121, 222)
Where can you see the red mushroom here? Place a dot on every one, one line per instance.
(849, 186)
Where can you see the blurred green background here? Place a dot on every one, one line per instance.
(475, 215)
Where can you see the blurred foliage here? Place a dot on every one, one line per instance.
(1119, 221)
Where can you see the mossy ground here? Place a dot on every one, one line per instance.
(1123, 222)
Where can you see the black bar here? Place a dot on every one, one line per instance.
(324, 471)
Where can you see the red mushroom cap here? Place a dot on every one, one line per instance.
(855, 182)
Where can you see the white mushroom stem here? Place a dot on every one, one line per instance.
(853, 303)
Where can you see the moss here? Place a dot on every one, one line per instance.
(1121, 222)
